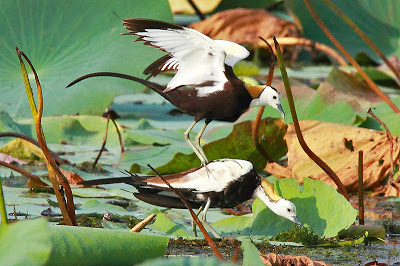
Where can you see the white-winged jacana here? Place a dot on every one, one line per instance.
(232, 181)
(204, 85)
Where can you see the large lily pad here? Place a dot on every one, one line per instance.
(319, 207)
(35, 242)
(67, 39)
(379, 21)
(238, 145)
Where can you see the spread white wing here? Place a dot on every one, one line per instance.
(197, 58)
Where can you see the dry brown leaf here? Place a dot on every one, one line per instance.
(338, 146)
(10, 159)
(393, 190)
(243, 25)
(72, 178)
(283, 260)
(183, 6)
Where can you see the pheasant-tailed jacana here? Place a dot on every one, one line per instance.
(230, 183)
(204, 85)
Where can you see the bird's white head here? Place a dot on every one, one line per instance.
(265, 95)
(287, 209)
(278, 205)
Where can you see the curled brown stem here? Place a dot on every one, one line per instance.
(370, 83)
(299, 134)
(55, 174)
(210, 242)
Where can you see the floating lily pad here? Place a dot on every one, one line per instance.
(65, 40)
(238, 145)
(319, 207)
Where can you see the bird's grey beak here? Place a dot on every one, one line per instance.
(297, 221)
(280, 109)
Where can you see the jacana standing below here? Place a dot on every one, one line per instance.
(204, 86)
(231, 182)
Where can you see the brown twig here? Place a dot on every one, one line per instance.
(364, 37)
(360, 188)
(194, 216)
(35, 179)
(299, 134)
(197, 10)
(292, 41)
(390, 138)
(371, 84)
(67, 208)
(236, 246)
(142, 224)
(121, 143)
(34, 142)
(103, 145)
(256, 122)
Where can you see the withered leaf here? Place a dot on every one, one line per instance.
(72, 178)
(279, 260)
(243, 25)
(328, 141)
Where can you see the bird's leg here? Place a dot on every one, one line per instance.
(197, 141)
(193, 222)
(203, 219)
(196, 151)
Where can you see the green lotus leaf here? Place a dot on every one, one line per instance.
(68, 39)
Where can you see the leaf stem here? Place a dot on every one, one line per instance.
(256, 123)
(3, 212)
(55, 174)
(299, 134)
(390, 139)
(194, 216)
(371, 84)
(360, 188)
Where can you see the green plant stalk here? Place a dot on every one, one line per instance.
(28, 88)
(353, 62)
(68, 211)
(299, 135)
(363, 36)
(3, 212)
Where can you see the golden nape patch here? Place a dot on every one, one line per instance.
(255, 91)
(269, 190)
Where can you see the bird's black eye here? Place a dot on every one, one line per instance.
(289, 210)
(274, 97)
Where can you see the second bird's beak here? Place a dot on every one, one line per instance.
(297, 221)
(280, 109)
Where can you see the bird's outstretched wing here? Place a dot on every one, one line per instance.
(197, 58)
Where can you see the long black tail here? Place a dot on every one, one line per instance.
(152, 85)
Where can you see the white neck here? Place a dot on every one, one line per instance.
(272, 205)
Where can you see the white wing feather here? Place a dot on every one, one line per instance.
(220, 174)
(197, 57)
